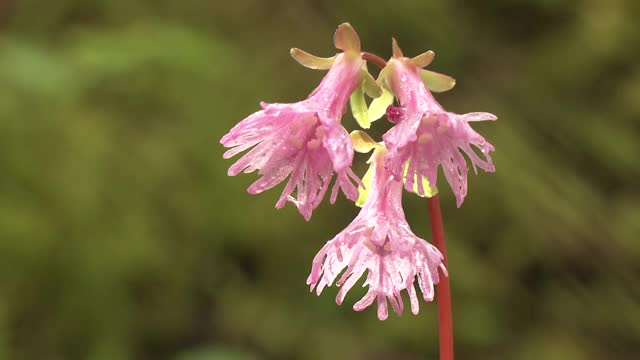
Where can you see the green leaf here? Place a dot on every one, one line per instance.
(379, 105)
(359, 107)
(311, 61)
(437, 82)
(428, 190)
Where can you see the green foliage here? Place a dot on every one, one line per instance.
(121, 237)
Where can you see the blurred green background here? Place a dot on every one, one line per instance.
(121, 237)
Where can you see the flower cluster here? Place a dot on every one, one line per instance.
(305, 144)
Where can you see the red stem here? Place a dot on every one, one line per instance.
(374, 59)
(443, 291)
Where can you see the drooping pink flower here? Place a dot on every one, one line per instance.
(304, 141)
(426, 135)
(380, 241)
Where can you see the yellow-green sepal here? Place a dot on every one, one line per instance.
(437, 82)
(379, 105)
(346, 38)
(423, 59)
(371, 87)
(311, 61)
(428, 190)
(363, 192)
(359, 107)
(363, 143)
(397, 51)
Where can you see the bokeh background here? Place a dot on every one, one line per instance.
(121, 237)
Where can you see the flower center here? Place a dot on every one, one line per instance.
(315, 142)
(307, 131)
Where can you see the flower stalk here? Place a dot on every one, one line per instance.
(443, 291)
(374, 59)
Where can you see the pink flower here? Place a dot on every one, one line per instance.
(426, 135)
(304, 141)
(379, 241)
